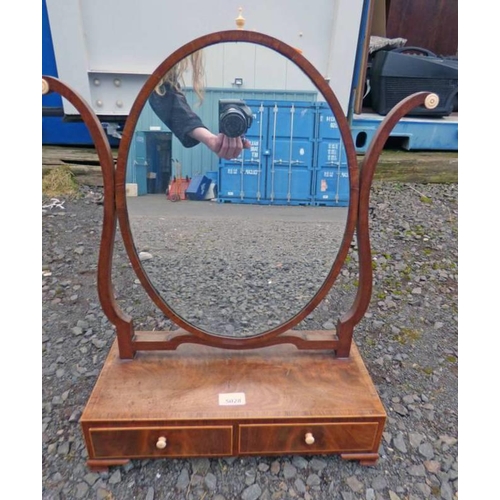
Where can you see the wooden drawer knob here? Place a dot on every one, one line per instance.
(161, 443)
(309, 438)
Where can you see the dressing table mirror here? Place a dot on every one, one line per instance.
(241, 372)
(245, 265)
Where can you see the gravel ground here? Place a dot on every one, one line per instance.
(237, 269)
(408, 340)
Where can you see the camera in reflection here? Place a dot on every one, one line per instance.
(235, 117)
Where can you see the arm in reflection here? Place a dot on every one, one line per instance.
(170, 105)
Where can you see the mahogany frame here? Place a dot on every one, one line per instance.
(115, 210)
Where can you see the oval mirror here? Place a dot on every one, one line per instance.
(235, 201)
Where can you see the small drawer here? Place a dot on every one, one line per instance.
(142, 442)
(303, 438)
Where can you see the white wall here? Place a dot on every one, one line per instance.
(259, 67)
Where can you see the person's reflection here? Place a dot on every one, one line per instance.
(170, 105)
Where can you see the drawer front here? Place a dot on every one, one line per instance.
(290, 438)
(161, 441)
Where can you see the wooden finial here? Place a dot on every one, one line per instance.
(240, 20)
(45, 87)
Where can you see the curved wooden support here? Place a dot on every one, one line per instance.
(301, 339)
(360, 305)
(116, 316)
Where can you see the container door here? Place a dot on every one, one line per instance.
(243, 179)
(140, 167)
(159, 159)
(291, 140)
(331, 173)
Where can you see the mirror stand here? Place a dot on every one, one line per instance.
(191, 394)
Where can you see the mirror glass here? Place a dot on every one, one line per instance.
(237, 245)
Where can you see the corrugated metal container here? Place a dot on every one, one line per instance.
(291, 145)
(331, 177)
(332, 186)
(296, 154)
(278, 168)
(138, 166)
(151, 149)
(243, 179)
(141, 180)
(199, 159)
(140, 147)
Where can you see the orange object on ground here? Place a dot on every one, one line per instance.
(177, 189)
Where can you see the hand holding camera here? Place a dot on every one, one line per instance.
(235, 118)
(229, 148)
(223, 146)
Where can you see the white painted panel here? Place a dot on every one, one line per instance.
(69, 42)
(132, 38)
(259, 67)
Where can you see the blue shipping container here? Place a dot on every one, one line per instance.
(291, 145)
(243, 179)
(278, 167)
(296, 158)
(331, 185)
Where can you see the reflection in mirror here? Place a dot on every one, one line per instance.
(237, 234)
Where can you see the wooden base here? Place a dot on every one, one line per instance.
(201, 401)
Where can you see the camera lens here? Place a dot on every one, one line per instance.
(233, 122)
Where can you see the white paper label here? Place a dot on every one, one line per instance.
(232, 399)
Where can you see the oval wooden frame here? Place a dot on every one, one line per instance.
(121, 203)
